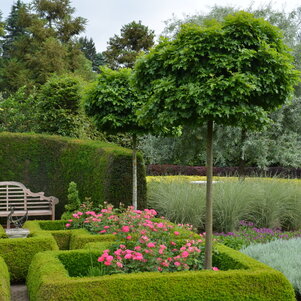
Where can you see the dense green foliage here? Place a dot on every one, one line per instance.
(278, 144)
(196, 77)
(18, 253)
(282, 255)
(270, 203)
(4, 281)
(55, 228)
(54, 108)
(112, 102)
(39, 41)
(229, 73)
(2, 232)
(123, 50)
(87, 46)
(58, 106)
(48, 279)
(101, 170)
(74, 201)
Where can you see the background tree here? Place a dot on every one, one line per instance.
(58, 106)
(87, 46)
(13, 27)
(112, 103)
(231, 72)
(122, 50)
(40, 42)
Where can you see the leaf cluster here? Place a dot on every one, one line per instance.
(123, 50)
(112, 102)
(232, 72)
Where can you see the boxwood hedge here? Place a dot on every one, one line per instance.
(4, 281)
(18, 252)
(102, 171)
(77, 239)
(49, 279)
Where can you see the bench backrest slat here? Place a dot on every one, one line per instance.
(17, 195)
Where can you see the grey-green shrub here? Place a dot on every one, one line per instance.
(282, 255)
(267, 203)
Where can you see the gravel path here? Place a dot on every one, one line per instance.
(19, 292)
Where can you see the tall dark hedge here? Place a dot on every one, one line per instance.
(46, 163)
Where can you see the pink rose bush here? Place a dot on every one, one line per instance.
(143, 243)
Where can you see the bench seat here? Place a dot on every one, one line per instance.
(15, 195)
(30, 213)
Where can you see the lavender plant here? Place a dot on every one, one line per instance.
(282, 255)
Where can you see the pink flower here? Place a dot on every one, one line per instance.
(137, 248)
(119, 264)
(107, 263)
(110, 258)
(118, 252)
(125, 229)
(176, 233)
(122, 246)
(128, 256)
(185, 254)
(129, 237)
(101, 258)
(106, 227)
(70, 220)
(151, 245)
(215, 269)
(177, 263)
(68, 225)
(138, 256)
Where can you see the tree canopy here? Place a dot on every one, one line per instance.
(123, 50)
(39, 41)
(231, 72)
(112, 102)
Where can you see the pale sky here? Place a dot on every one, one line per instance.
(106, 17)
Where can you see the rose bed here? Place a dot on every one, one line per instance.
(57, 275)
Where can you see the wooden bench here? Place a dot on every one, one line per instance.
(15, 194)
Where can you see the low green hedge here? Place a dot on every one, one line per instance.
(4, 281)
(77, 239)
(18, 252)
(55, 228)
(48, 279)
(102, 171)
(2, 232)
(80, 239)
(66, 239)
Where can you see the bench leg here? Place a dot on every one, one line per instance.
(7, 224)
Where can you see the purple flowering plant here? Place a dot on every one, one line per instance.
(248, 234)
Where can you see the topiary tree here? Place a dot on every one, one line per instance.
(112, 103)
(230, 73)
(58, 106)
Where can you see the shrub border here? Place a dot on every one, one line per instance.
(4, 281)
(18, 252)
(48, 280)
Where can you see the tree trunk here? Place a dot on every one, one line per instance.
(242, 162)
(208, 224)
(134, 171)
